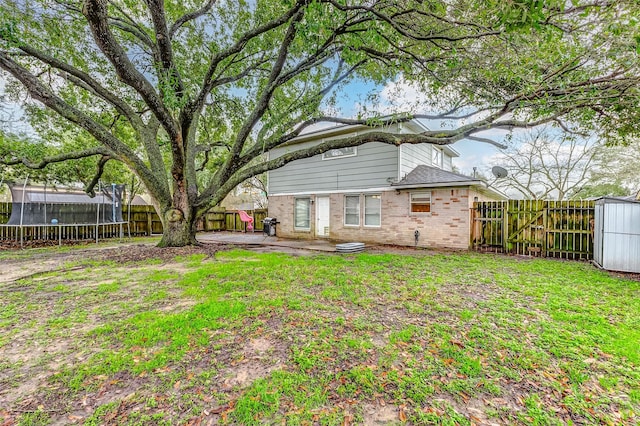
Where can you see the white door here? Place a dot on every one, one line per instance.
(322, 216)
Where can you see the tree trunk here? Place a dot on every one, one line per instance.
(178, 233)
(179, 224)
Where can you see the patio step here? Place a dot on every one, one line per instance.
(350, 248)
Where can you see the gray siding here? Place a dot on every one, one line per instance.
(374, 164)
(412, 156)
(446, 162)
(420, 154)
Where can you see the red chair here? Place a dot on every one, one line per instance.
(245, 217)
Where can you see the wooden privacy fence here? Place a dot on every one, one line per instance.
(561, 229)
(139, 221)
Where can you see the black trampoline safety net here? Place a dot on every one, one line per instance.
(46, 206)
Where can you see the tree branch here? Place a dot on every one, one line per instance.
(100, 150)
(85, 81)
(117, 149)
(263, 102)
(486, 140)
(414, 36)
(190, 17)
(261, 147)
(208, 82)
(163, 39)
(96, 13)
(89, 189)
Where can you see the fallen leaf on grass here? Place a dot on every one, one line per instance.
(432, 410)
(194, 421)
(347, 420)
(548, 375)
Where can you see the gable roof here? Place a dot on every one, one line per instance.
(328, 131)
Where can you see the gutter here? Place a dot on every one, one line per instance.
(441, 184)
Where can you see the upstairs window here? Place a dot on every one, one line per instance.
(436, 157)
(350, 151)
(421, 202)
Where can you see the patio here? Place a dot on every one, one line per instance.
(259, 239)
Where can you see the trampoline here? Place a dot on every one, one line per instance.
(45, 211)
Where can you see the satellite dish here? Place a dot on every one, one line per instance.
(499, 172)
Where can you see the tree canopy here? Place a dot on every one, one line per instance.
(189, 95)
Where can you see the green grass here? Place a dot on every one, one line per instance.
(76, 248)
(249, 338)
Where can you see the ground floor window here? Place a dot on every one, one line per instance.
(352, 210)
(359, 207)
(302, 213)
(372, 210)
(421, 202)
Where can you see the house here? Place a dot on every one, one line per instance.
(374, 193)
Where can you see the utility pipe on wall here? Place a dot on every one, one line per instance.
(24, 188)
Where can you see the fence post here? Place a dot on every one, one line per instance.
(545, 242)
(505, 226)
(149, 222)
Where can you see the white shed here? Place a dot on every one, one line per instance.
(617, 234)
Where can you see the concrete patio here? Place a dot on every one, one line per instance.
(259, 239)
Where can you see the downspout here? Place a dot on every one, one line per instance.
(24, 188)
(98, 213)
(46, 228)
(113, 202)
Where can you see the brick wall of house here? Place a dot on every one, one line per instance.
(281, 208)
(448, 224)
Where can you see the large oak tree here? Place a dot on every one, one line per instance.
(189, 95)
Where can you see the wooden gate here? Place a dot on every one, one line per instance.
(534, 227)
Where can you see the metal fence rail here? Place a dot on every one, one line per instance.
(561, 229)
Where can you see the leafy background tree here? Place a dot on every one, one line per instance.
(189, 95)
(615, 172)
(543, 165)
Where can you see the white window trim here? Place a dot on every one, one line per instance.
(437, 153)
(295, 200)
(355, 152)
(364, 210)
(412, 213)
(344, 217)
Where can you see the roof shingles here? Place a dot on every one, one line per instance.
(428, 175)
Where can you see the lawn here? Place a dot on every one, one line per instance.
(243, 337)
